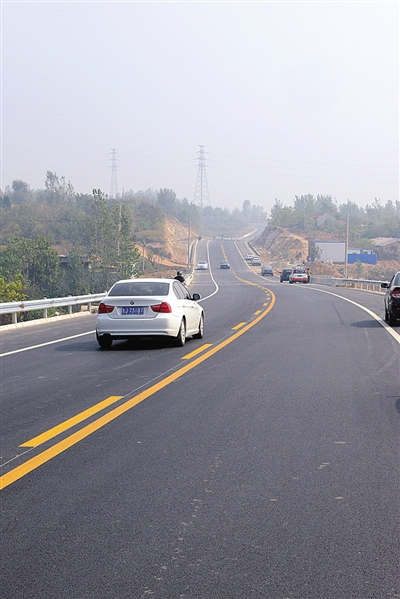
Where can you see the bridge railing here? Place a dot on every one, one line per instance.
(15, 308)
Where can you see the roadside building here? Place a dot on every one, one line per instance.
(387, 248)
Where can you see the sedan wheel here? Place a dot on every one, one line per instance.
(200, 333)
(105, 341)
(181, 336)
(392, 320)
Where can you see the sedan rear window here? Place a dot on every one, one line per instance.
(139, 288)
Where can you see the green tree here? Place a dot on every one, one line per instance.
(246, 208)
(57, 189)
(128, 255)
(76, 280)
(12, 291)
(21, 192)
(36, 262)
(167, 200)
(112, 251)
(148, 216)
(5, 202)
(282, 216)
(305, 204)
(325, 203)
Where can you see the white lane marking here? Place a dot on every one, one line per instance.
(245, 261)
(211, 275)
(18, 351)
(389, 329)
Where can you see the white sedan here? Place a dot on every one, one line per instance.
(149, 307)
(298, 275)
(202, 265)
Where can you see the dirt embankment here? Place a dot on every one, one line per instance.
(172, 255)
(176, 241)
(281, 248)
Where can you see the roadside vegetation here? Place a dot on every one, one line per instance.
(375, 220)
(289, 228)
(57, 242)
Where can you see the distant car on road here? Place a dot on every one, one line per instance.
(202, 265)
(256, 261)
(285, 274)
(147, 308)
(249, 257)
(298, 275)
(267, 269)
(224, 264)
(392, 299)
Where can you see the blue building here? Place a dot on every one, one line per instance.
(359, 255)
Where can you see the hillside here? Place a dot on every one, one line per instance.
(166, 259)
(281, 248)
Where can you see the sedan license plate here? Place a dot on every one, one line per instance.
(130, 310)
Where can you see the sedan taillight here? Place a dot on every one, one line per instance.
(163, 307)
(396, 293)
(105, 309)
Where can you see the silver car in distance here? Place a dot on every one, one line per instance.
(149, 307)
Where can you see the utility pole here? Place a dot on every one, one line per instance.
(114, 185)
(143, 244)
(347, 246)
(201, 193)
(189, 224)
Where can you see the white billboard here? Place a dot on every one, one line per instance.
(330, 250)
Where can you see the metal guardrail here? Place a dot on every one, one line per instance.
(351, 283)
(14, 308)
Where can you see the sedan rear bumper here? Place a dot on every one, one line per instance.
(167, 325)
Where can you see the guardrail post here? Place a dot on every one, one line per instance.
(44, 312)
(89, 307)
(14, 318)
(69, 309)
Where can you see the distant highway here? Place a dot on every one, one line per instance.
(261, 461)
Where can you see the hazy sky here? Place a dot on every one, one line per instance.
(287, 98)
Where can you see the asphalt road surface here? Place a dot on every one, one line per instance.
(259, 462)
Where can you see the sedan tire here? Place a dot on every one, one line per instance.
(105, 341)
(200, 333)
(181, 336)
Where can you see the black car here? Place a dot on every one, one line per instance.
(286, 272)
(224, 264)
(392, 299)
(266, 269)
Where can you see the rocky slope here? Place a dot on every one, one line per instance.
(282, 248)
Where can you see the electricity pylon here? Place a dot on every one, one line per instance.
(201, 193)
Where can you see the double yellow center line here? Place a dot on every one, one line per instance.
(46, 455)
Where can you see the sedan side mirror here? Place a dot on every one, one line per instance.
(385, 285)
(196, 297)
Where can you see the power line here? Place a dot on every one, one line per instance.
(266, 160)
